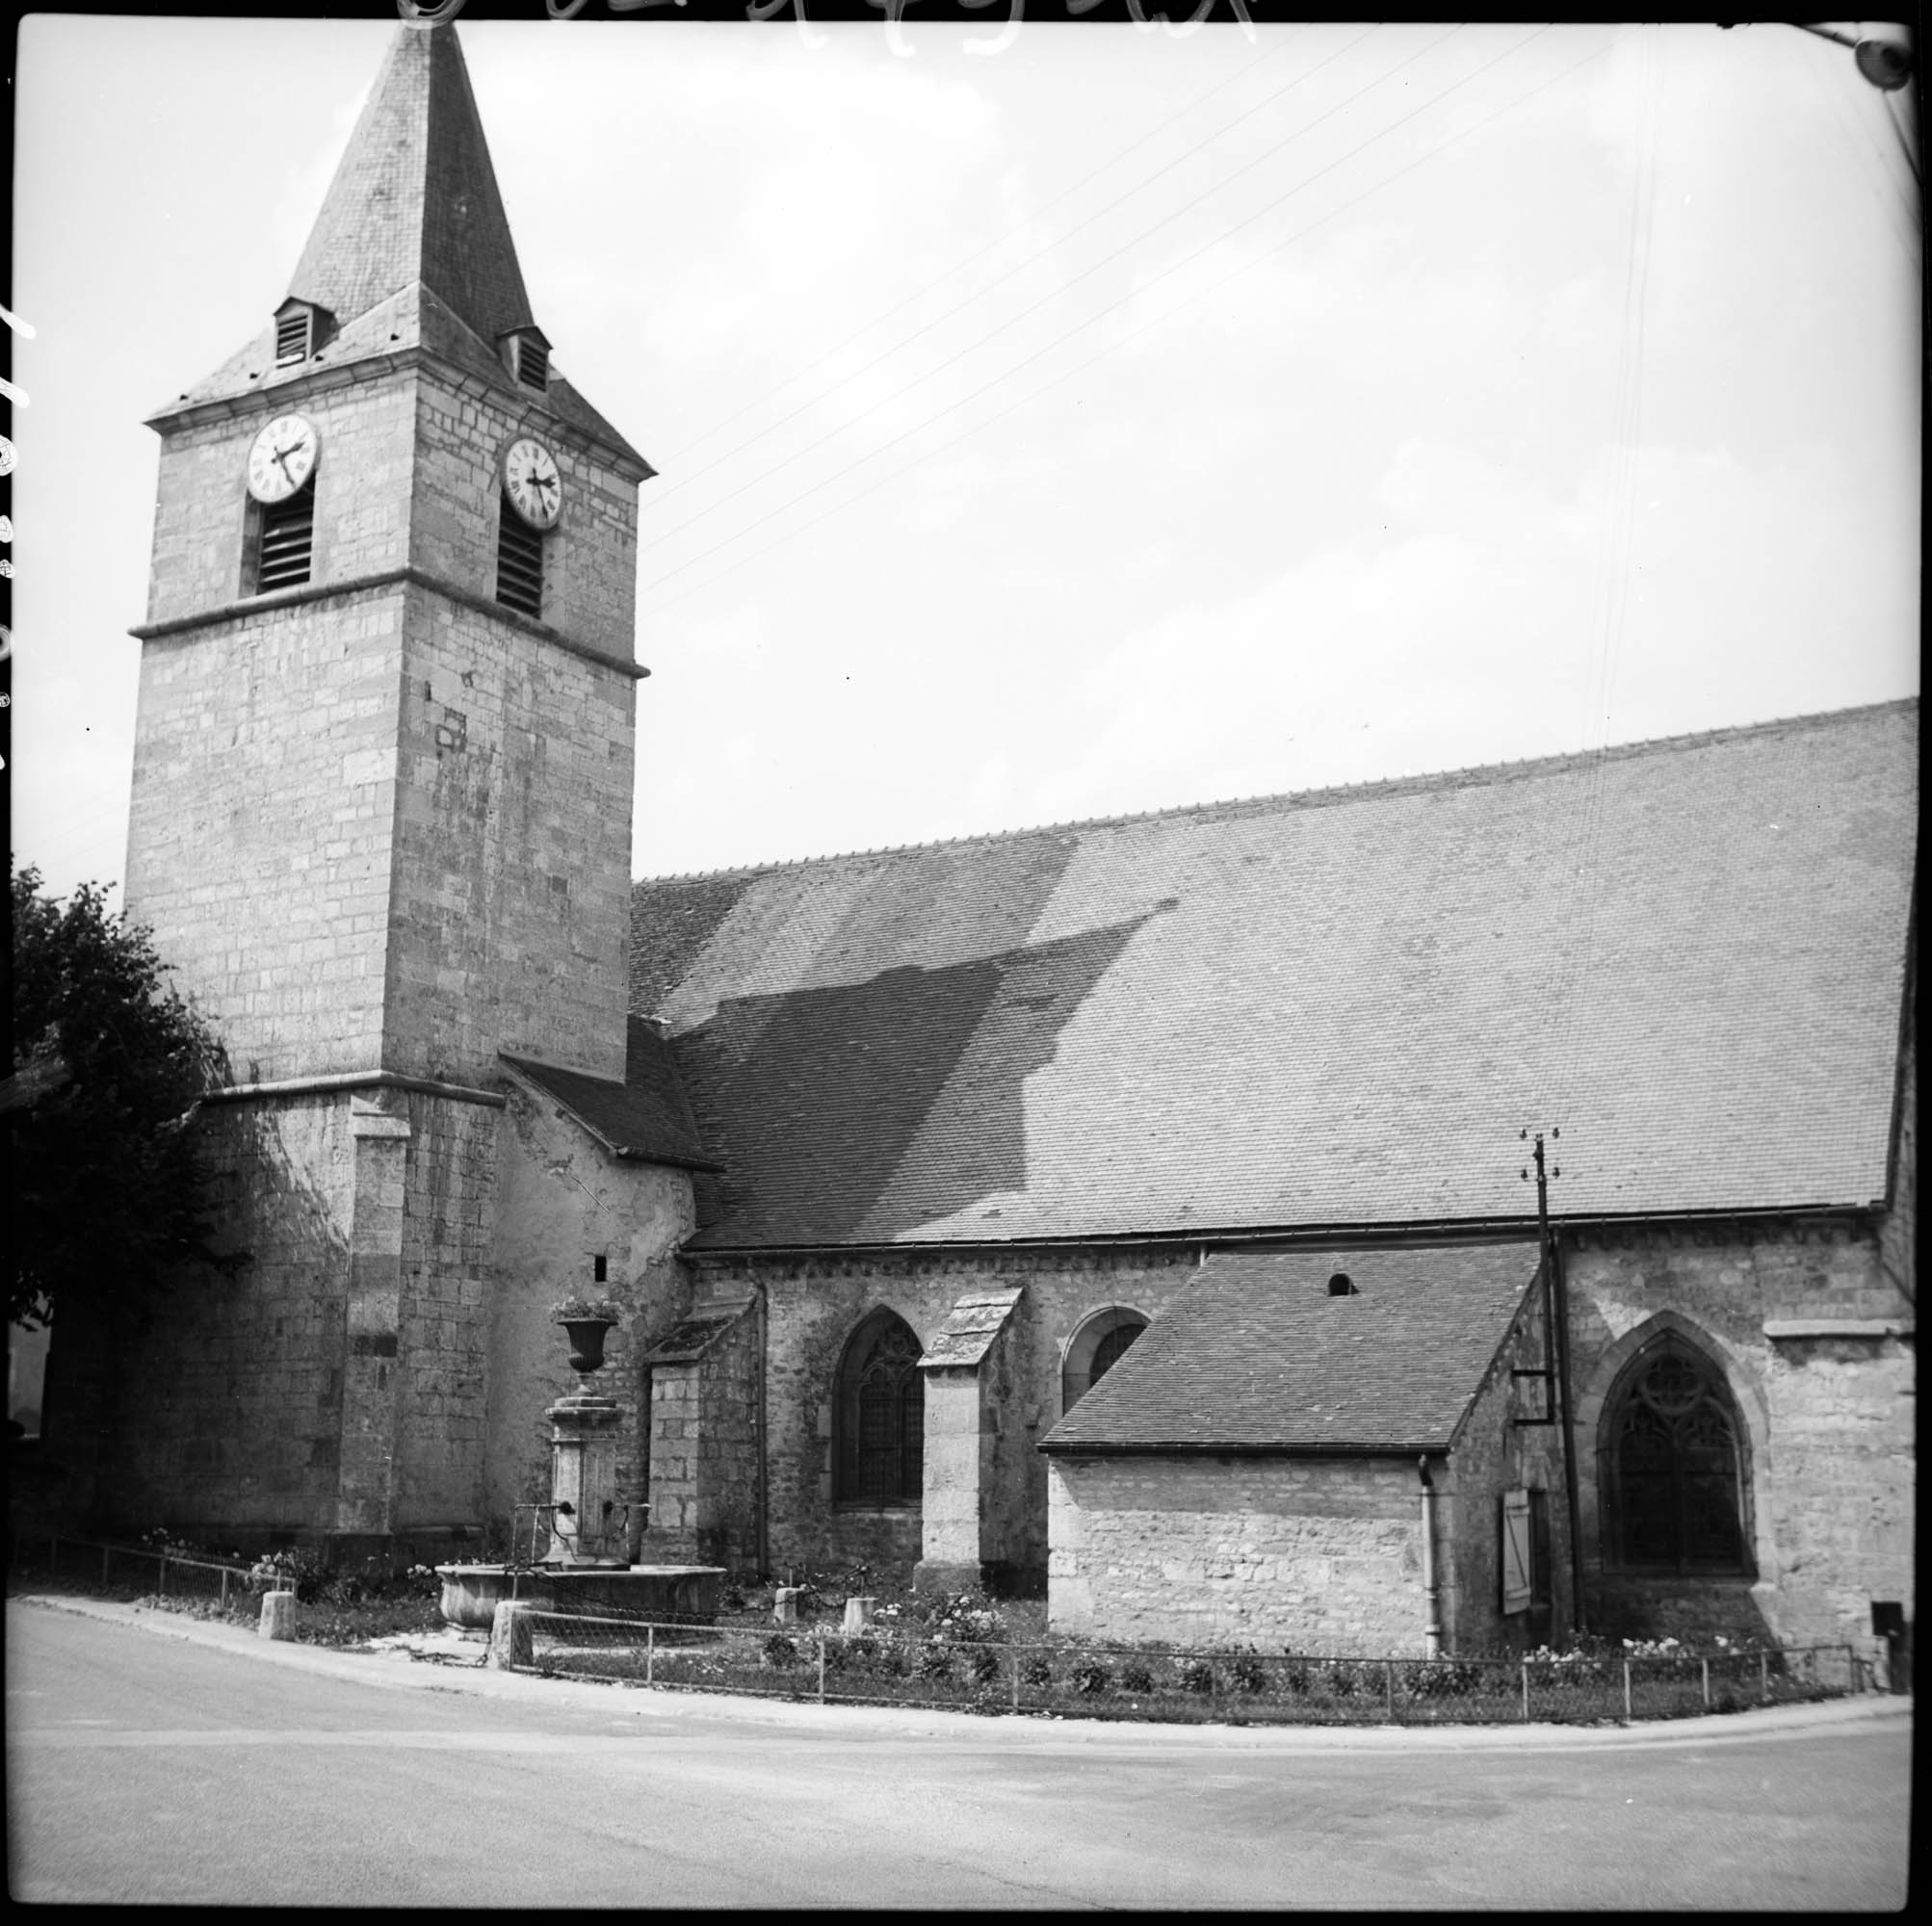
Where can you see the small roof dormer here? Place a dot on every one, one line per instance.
(302, 326)
(526, 353)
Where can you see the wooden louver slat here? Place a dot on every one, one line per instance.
(286, 545)
(519, 564)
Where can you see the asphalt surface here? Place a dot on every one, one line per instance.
(156, 1759)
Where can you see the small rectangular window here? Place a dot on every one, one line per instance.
(285, 541)
(519, 563)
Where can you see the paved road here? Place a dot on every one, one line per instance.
(201, 1767)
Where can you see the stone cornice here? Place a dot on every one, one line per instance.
(335, 1082)
(527, 406)
(358, 585)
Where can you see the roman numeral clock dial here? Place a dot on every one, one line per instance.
(533, 483)
(283, 459)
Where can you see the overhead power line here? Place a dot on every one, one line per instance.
(1132, 334)
(1134, 146)
(1013, 321)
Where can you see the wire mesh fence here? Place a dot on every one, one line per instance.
(872, 1667)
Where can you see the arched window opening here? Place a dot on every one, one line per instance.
(1673, 1469)
(881, 1409)
(1097, 1347)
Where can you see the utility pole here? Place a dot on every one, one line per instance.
(1556, 1318)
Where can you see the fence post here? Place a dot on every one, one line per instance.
(1627, 1687)
(1706, 1663)
(821, 1668)
(1764, 1674)
(1526, 1691)
(1013, 1654)
(651, 1654)
(162, 1583)
(1389, 1686)
(224, 1588)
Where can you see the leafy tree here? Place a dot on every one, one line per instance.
(109, 1188)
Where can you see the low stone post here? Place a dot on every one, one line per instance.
(511, 1646)
(785, 1605)
(858, 1614)
(277, 1615)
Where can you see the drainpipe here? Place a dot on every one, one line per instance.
(764, 1449)
(1431, 1591)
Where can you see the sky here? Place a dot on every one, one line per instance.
(1083, 422)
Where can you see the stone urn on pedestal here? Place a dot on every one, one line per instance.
(586, 1524)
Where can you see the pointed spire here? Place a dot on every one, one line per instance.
(415, 199)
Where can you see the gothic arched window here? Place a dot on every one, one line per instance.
(1097, 1347)
(881, 1409)
(1673, 1468)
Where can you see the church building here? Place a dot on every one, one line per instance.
(1139, 1211)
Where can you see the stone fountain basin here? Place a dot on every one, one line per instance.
(472, 1592)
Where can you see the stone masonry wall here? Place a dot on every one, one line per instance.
(813, 1308)
(704, 1454)
(443, 1334)
(560, 1202)
(228, 1419)
(1829, 1419)
(261, 831)
(511, 874)
(1320, 1555)
(366, 432)
(463, 430)
(1493, 1454)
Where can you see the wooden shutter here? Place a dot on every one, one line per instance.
(1517, 1561)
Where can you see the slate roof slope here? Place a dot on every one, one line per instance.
(1324, 1009)
(1257, 1356)
(644, 1119)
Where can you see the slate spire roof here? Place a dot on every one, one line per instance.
(411, 249)
(415, 199)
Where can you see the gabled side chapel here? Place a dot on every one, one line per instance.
(1130, 1209)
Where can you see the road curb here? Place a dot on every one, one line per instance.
(397, 1669)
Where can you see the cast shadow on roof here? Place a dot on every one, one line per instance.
(861, 1111)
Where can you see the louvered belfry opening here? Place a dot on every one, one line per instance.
(519, 563)
(533, 364)
(292, 339)
(285, 541)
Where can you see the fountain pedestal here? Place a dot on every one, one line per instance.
(585, 1527)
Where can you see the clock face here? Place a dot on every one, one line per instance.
(535, 485)
(283, 459)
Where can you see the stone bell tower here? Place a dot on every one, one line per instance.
(380, 822)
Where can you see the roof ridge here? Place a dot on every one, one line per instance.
(1467, 776)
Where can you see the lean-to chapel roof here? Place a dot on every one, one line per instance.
(1257, 1356)
(1334, 1008)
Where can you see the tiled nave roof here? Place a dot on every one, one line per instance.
(1322, 1009)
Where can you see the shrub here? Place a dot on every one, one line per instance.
(1136, 1678)
(1197, 1676)
(935, 1661)
(985, 1663)
(1248, 1672)
(1089, 1677)
(781, 1653)
(1038, 1669)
